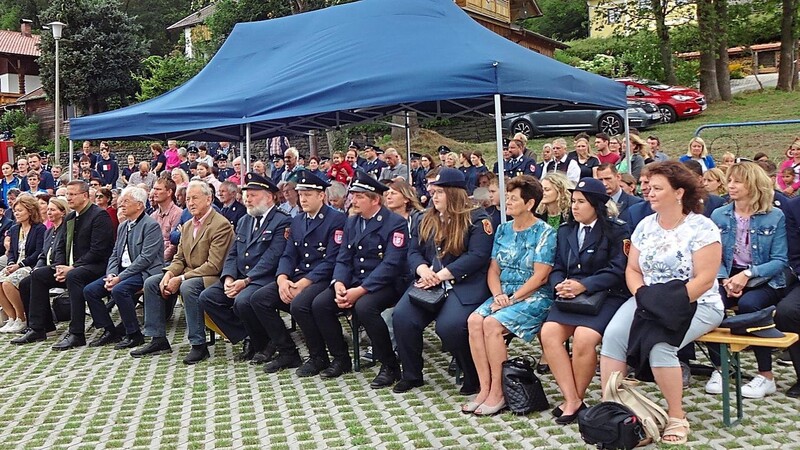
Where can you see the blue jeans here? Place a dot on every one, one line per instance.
(155, 306)
(122, 293)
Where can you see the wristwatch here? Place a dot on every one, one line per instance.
(748, 273)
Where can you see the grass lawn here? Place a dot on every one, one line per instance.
(749, 107)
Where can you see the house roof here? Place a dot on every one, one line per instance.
(16, 43)
(772, 46)
(32, 95)
(193, 18)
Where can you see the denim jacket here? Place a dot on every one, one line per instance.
(768, 245)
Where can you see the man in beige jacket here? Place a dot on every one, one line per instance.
(205, 240)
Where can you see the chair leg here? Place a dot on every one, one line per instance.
(212, 337)
(354, 326)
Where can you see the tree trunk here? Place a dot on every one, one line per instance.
(723, 70)
(708, 49)
(787, 68)
(664, 44)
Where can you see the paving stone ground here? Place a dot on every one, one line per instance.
(104, 399)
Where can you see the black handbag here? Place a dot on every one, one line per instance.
(582, 304)
(756, 282)
(611, 425)
(522, 389)
(429, 299)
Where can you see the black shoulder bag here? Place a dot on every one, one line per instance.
(587, 304)
(522, 389)
(430, 299)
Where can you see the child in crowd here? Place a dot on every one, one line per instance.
(340, 170)
(788, 176)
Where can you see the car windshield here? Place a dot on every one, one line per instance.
(654, 85)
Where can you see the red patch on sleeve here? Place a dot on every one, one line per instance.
(487, 226)
(626, 246)
(398, 239)
(338, 236)
(286, 233)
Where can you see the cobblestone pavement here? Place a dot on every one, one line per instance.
(102, 398)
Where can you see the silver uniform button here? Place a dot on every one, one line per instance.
(246, 254)
(306, 255)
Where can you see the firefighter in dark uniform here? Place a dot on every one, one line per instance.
(251, 261)
(305, 269)
(463, 274)
(518, 163)
(223, 171)
(230, 208)
(192, 150)
(372, 165)
(369, 277)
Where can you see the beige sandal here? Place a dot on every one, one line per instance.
(676, 428)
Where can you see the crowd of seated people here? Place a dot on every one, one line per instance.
(360, 234)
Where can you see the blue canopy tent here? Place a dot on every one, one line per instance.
(351, 64)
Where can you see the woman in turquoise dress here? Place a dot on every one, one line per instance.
(522, 258)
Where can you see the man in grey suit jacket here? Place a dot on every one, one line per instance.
(138, 254)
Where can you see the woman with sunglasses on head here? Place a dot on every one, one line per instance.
(102, 198)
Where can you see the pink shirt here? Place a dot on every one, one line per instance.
(789, 163)
(198, 223)
(173, 160)
(610, 158)
(167, 221)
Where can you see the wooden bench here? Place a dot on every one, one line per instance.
(730, 347)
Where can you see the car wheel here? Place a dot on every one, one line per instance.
(667, 114)
(522, 126)
(610, 124)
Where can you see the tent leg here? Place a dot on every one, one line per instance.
(408, 150)
(247, 146)
(627, 140)
(501, 180)
(71, 157)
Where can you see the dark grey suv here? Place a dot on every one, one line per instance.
(641, 115)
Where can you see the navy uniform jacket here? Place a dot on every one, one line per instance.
(791, 210)
(185, 166)
(635, 213)
(376, 257)
(313, 246)
(523, 165)
(468, 269)
(626, 201)
(108, 170)
(599, 265)
(223, 174)
(277, 174)
(255, 253)
(373, 168)
(234, 213)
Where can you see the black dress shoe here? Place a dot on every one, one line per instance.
(793, 391)
(30, 337)
(108, 337)
(197, 354)
(157, 346)
(406, 385)
(70, 341)
(557, 412)
(266, 355)
(247, 352)
(452, 368)
(387, 376)
(283, 361)
(338, 367)
(313, 366)
(566, 419)
(543, 369)
(130, 341)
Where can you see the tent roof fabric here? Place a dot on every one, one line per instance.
(350, 64)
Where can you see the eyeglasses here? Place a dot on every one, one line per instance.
(99, 196)
(94, 184)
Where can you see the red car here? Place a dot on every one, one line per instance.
(675, 102)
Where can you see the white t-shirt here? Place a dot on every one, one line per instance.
(666, 255)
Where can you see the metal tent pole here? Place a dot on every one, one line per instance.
(71, 157)
(627, 141)
(247, 146)
(408, 150)
(501, 179)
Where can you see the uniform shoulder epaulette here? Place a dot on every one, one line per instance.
(618, 221)
(283, 212)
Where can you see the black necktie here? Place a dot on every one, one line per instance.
(258, 223)
(584, 234)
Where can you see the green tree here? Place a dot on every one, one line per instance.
(230, 12)
(11, 11)
(563, 20)
(162, 73)
(154, 16)
(100, 50)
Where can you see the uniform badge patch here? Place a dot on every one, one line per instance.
(398, 239)
(487, 226)
(626, 246)
(338, 236)
(286, 233)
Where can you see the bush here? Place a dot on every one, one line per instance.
(737, 71)
(29, 135)
(687, 72)
(605, 65)
(566, 58)
(13, 119)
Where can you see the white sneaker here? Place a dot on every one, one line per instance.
(758, 387)
(9, 323)
(714, 384)
(18, 326)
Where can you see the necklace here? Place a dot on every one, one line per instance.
(673, 227)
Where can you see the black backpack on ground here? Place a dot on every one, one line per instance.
(611, 425)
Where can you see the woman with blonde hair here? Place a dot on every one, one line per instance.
(636, 163)
(714, 181)
(180, 177)
(697, 151)
(555, 205)
(586, 160)
(401, 198)
(754, 257)
(451, 160)
(728, 159)
(27, 238)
